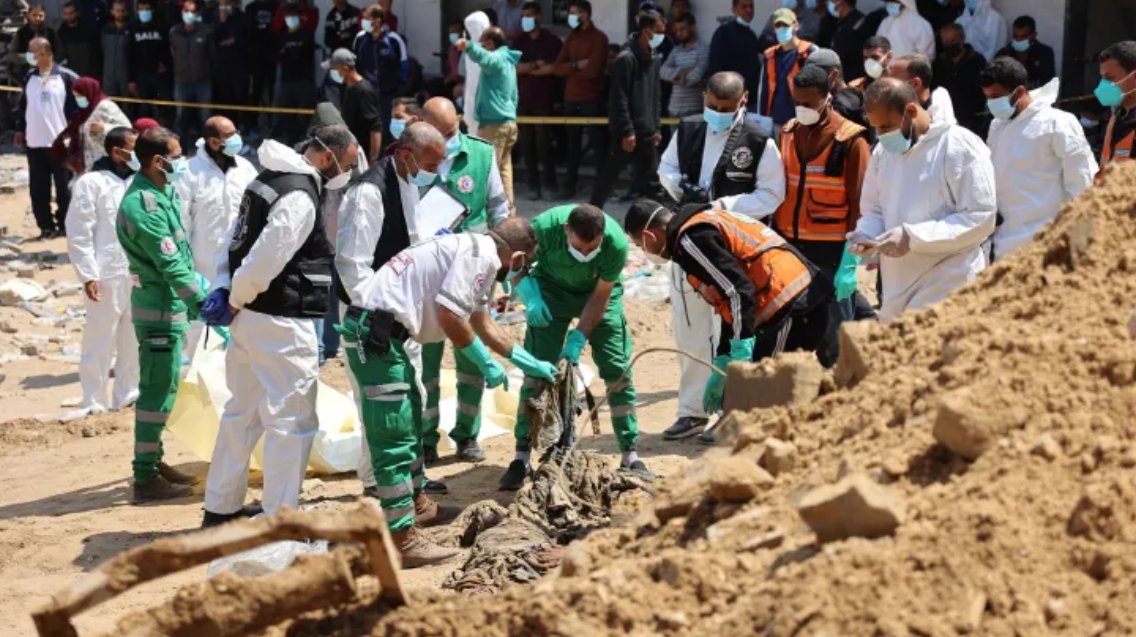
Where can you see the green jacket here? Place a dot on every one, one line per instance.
(496, 99)
(468, 180)
(166, 291)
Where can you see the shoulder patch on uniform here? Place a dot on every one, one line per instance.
(465, 184)
(168, 246)
(742, 158)
(149, 201)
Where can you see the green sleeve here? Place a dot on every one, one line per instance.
(614, 259)
(486, 59)
(150, 233)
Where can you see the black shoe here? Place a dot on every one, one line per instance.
(470, 451)
(640, 469)
(211, 519)
(434, 487)
(159, 489)
(685, 427)
(707, 437)
(44, 235)
(430, 455)
(514, 477)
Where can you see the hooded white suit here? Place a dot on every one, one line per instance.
(1041, 161)
(986, 29)
(908, 32)
(272, 364)
(942, 192)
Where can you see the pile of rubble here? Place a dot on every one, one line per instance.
(56, 306)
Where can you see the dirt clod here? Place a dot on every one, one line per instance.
(779, 456)
(789, 379)
(738, 479)
(854, 507)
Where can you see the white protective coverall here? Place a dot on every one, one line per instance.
(475, 24)
(1041, 162)
(272, 364)
(908, 32)
(942, 193)
(986, 29)
(695, 327)
(92, 246)
(942, 107)
(210, 200)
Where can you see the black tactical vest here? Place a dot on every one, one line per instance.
(736, 171)
(395, 236)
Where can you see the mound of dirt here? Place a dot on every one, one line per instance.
(986, 447)
(31, 432)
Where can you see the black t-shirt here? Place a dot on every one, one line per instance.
(363, 114)
(297, 56)
(340, 28)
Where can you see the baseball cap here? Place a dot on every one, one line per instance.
(826, 59)
(784, 16)
(340, 57)
(143, 123)
(648, 5)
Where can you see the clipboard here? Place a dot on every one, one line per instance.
(437, 210)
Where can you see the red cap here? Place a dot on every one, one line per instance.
(143, 123)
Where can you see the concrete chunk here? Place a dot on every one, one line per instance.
(854, 507)
(966, 424)
(789, 379)
(738, 479)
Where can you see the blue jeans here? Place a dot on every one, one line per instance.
(191, 121)
(325, 327)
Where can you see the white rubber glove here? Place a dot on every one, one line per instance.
(860, 244)
(894, 243)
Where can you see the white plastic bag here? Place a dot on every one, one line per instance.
(270, 558)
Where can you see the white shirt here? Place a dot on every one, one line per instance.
(942, 193)
(44, 119)
(455, 271)
(1041, 162)
(986, 30)
(360, 228)
(768, 188)
(210, 201)
(942, 108)
(92, 241)
(909, 32)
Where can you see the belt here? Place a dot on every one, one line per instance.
(395, 330)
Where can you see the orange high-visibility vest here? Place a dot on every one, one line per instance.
(816, 206)
(1122, 151)
(803, 49)
(775, 269)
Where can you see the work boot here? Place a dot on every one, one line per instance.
(685, 427)
(159, 489)
(470, 451)
(418, 550)
(427, 512)
(435, 487)
(429, 455)
(514, 477)
(177, 477)
(639, 468)
(211, 519)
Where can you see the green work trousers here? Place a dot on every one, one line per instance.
(611, 352)
(471, 386)
(391, 408)
(159, 361)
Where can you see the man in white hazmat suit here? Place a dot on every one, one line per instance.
(1041, 157)
(927, 204)
(916, 70)
(986, 29)
(475, 24)
(280, 263)
(211, 193)
(92, 245)
(907, 31)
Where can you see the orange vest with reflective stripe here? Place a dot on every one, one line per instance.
(1122, 151)
(816, 206)
(773, 266)
(803, 48)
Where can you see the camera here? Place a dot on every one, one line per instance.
(693, 193)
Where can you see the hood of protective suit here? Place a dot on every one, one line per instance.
(1045, 95)
(983, 5)
(276, 156)
(910, 6)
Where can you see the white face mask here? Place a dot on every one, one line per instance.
(653, 258)
(809, 116)
(580, 256)
(873, 68)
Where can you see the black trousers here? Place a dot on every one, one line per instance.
(262, 76)
(597, 138)
(42, 170)
(800, 330)
(536, 149)
(644, 158)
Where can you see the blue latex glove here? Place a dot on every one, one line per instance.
(536, 311)
(740, 350)
(215, 310)
(493, 372)
(530, 365)
(846, 275)
(443, 232)
(574, 346)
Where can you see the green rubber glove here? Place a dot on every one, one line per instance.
(846, 275)
(740, 350)
(574, 346)
(493, 372)
(530, 365)
(223, 332)
(536, 310)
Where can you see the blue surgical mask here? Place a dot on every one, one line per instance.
(896, 142)
(82, 101)
(656, 40)
(784, 34)
(454, 37)
(811, 5)
(292, 21)
(178, 168)
(397, 127)
(367, 26)
(29, 57)
(421, 178)
(336, 76)
(233, 145)
(453, 145)
(1109, 93)
(894, 8)
(789, 4)
(189, 17)
(1001, 108)
(1021, 46)
(718, 123)
(972, 5)
(1088, 124)
(580, 256)
(528, 24)
(831, 6)
(145, 16)
(573, 20)
(134, 164)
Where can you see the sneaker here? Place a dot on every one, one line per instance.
(640, 469)
(211, 519)
(707, 437)
(470, 451)
(430, 455)
(159, 489)
(177, 477)
(418, 550)
(685, 427)
(514, 477)
(434, 487)
(427, 512)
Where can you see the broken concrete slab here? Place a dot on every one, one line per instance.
(967, 424)
(854, 363)
(789, 379)
(779, 456)
(738, 479)
(856, 506)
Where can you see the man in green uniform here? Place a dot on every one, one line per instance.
(470, 173)
(166, 296)
(579, 260)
